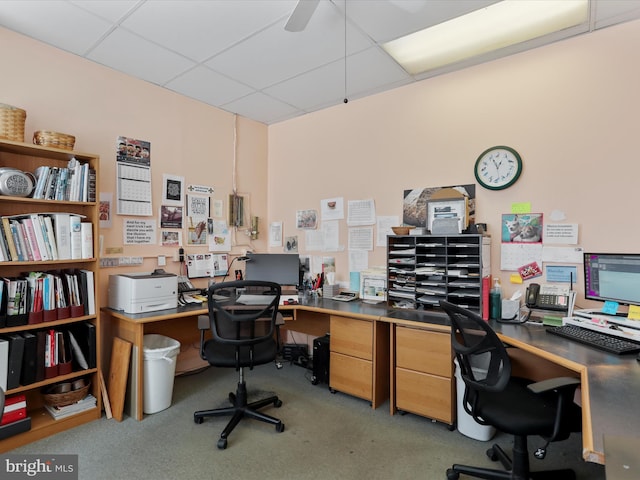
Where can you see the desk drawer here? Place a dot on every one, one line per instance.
(352, 337)
(424, 394)
(351, 375)
(424, 351)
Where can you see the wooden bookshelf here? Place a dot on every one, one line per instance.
(27, 158)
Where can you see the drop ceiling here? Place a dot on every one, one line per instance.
(236, 54)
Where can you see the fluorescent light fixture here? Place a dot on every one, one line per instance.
(497, 26)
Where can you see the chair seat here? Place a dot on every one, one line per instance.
(224, 355)
(504, 410)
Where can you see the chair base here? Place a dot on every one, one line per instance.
(518, 469)
(240, 409)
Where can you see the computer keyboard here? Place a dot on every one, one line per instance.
(602, 341)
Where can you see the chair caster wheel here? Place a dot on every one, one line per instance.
(452, 474)
(280, 427)
(222, 443)
(493, 456)
(277, 403)
(232, 398)
(198, 420)
(332, 390)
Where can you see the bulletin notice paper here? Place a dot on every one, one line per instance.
(139, 232)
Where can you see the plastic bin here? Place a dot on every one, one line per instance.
(160, 358)
(466, 423)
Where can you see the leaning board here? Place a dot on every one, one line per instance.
(118, 372)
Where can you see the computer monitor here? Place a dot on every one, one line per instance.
(612, 277)
(282, 268)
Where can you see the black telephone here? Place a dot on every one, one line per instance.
(546, 298)
(185, 285)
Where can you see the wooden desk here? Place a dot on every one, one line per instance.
(180, 324)
(610, 383)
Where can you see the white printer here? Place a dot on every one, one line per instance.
(143, 292)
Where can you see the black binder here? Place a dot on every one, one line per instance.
(41, 346)
(29, 359)
(16, 351)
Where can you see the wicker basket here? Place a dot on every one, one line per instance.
(47, 138)
(66, 398)
(12, 123)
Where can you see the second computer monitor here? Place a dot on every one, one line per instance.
(282, 268)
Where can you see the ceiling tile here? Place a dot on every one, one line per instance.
(126, 52)
(262, 108)
(111, 10)
(200, 29)
(274, 54)
(208, 86)
(51, 22)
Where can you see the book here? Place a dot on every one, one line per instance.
(91, 194)
(6, 226)
(37, 228)
(16, 240)
(24, 241)
(42, 175)
(50, 236)
(87, 403)
(86, 230)
(62, 233)
(4, 247)
(75, 231)
(486, 288)
(31, 238)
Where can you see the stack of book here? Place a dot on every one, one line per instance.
(44, 237)
(76, 182)
(14, 417)
(87, 403)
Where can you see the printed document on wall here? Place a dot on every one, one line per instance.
(361, 212)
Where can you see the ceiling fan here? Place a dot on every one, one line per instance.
(301, 15)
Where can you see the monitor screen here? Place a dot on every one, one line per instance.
(282, 268)
(612, 276)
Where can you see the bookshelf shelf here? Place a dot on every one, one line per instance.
(28, 158)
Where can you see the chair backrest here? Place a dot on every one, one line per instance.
(482, 357)
(243, 325)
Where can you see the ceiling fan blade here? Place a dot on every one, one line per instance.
(301, 15)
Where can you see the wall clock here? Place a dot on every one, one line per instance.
(498, 168)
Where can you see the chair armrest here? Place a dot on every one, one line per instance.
(554, 384)
(203, 322)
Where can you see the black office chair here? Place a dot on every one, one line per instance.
(513, 405)
(243, 336)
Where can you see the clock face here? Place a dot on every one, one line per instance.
(498, 168)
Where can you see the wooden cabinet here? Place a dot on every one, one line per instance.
(359, 358)
(423, 373)
(27, 158)
(424, 269)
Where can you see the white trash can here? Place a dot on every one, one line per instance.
(160, 358)
(467, 425)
